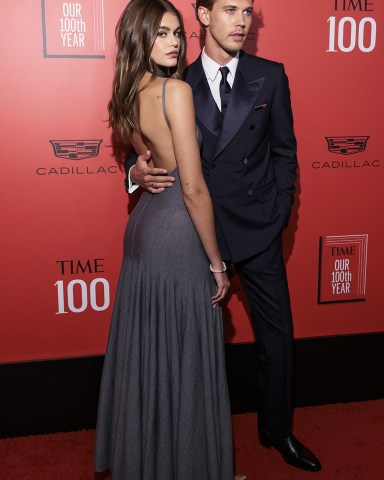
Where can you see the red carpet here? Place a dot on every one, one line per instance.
(348, 438)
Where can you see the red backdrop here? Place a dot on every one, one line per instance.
(63, 199)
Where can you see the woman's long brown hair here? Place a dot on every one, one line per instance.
(136, 32)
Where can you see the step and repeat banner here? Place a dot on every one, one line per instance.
(63, 203)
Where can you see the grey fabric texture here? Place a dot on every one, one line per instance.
(164, 410)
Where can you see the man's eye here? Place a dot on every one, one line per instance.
(230, 10)
(248, 12)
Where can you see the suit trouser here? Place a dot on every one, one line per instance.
(265, 283)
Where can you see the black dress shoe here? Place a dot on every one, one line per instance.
(291, 450)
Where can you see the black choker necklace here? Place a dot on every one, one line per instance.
(161, 72)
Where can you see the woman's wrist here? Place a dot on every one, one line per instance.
(218, 269)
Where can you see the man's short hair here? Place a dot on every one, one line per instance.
(204, 3)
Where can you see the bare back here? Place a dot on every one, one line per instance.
(156, 134)
(168, 130)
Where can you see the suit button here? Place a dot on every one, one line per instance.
(250, 192)
(252, 127)
(245, 161)
(213, 166)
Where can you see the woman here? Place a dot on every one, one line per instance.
(164, 409)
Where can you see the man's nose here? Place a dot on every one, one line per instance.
(240, 21)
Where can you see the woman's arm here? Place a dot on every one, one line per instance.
(181, 114)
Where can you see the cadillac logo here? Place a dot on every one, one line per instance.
(76, 149)
(346, 145)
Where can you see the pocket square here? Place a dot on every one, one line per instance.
(261, 107)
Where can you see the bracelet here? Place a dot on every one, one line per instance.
(218, 271)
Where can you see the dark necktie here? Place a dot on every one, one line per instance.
(225, 89)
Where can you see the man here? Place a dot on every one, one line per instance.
(249, 161)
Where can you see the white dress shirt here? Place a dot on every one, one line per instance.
(212, 72)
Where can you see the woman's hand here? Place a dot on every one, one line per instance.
(222, 286)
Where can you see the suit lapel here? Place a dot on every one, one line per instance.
(244, 93)
(205, 106)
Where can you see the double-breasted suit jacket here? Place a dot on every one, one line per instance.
(249, 156)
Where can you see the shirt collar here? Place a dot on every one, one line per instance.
(211, 68)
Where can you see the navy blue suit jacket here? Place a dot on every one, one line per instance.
(249, 157)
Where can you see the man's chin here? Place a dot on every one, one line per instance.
(234, 46)
(233, 50)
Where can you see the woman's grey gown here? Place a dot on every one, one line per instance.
(164, 410)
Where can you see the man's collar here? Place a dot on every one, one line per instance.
(211, 68)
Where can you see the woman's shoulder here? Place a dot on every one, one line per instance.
(179, 100)
(178, 88)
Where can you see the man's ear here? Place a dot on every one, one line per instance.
(203, 14)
